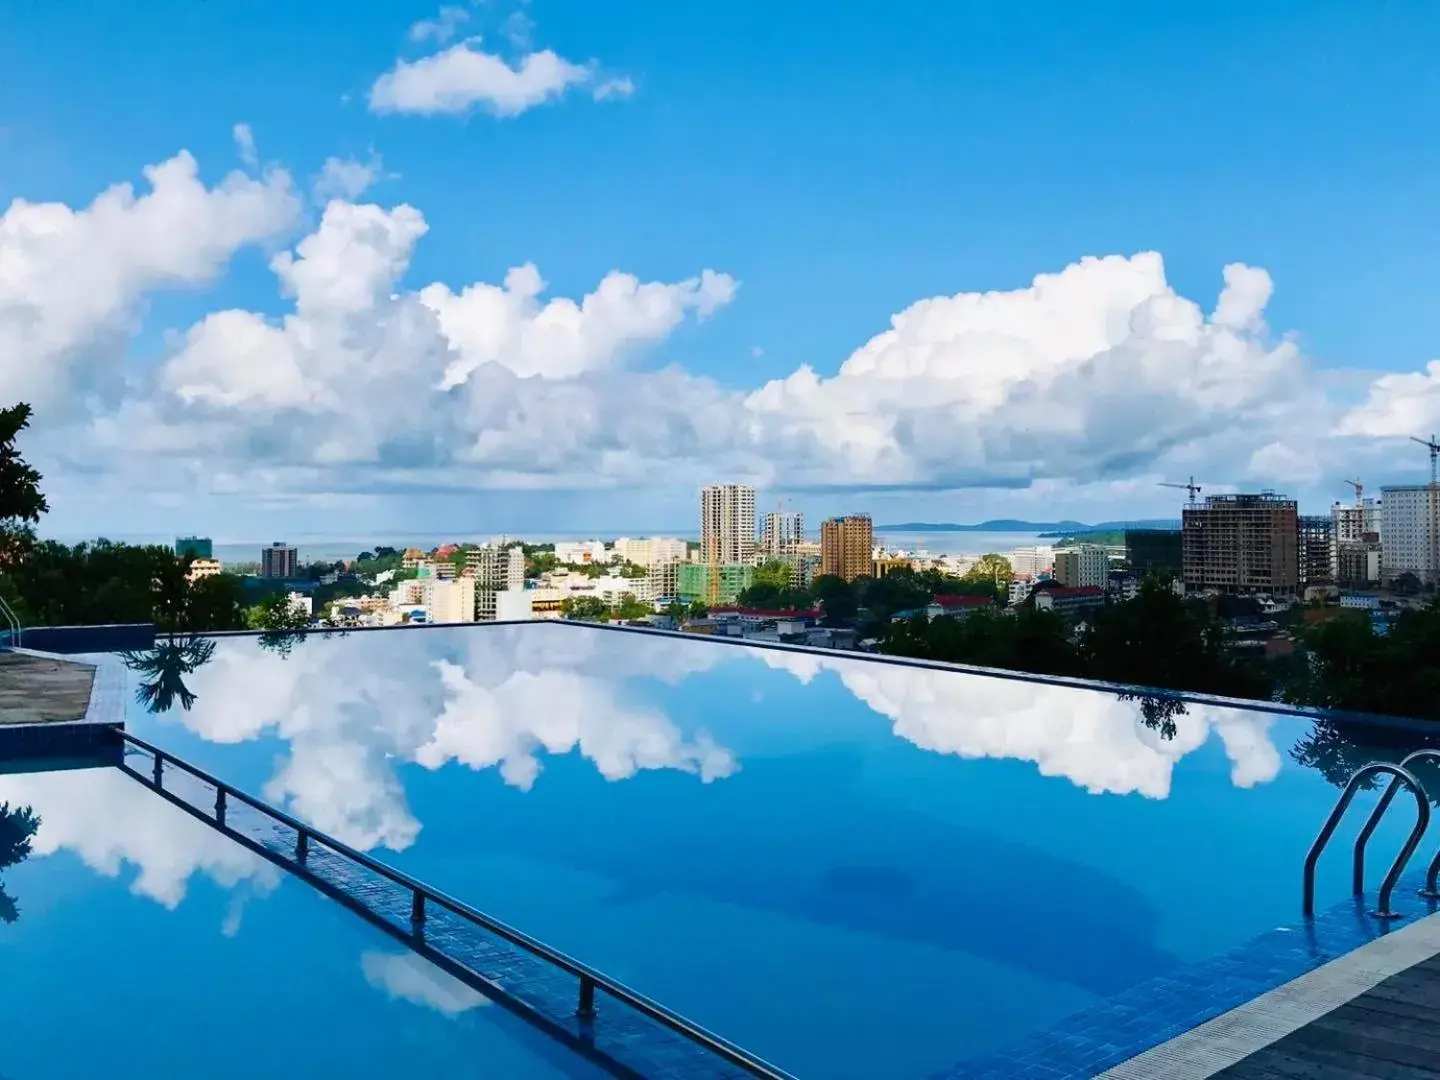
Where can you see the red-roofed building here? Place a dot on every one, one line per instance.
(957, 607)
(1068, 599)
(444, 551)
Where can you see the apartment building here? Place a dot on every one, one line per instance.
(650, 550)
(581, 552)
(1032, 561)
(279, 561)
(450, 601)
(203, 568)
(847, 547)
(781, 531)
(721, 584)
(198, 547)
(1242, 544)
(1355, 551)
(1408, 541)
(1085, 566)
(727, 523)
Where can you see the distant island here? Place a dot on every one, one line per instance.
(1046, 529)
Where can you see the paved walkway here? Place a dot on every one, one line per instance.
(35, 689)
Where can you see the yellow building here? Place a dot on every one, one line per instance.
(847, 547)
(203, 568)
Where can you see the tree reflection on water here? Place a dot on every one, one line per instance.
(17, 829)
(163, 669)
(1158, 712)
(1337, 748)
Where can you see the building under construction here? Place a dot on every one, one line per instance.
(1316, 549)
(1245, 544)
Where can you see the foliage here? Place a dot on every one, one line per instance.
(276, 614)
(105, 582)
(993, 571)
(1355, 668)
(634, 571)
(1156, 639)
(631, 608)
(837, 599)
(21, 501)
(585, 608)
(680, 611)
(18, 826)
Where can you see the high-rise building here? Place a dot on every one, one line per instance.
(1085, 566)
(781, 531)
(847, 547)
(727, 523)
(495, 570)
(1316, 549)
(1242, 544)
(1155, 551)
(196, 547)
(279, 561)
(1408, 541)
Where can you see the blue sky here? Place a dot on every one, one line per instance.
(840, 162)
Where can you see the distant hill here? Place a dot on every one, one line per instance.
(1045, 528)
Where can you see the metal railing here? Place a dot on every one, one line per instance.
(1433, 872)
(421, 895)
(1422, 822)
(12, 620)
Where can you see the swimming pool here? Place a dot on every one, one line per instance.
(852, 868)
(147, 944)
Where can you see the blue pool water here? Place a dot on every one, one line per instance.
(148, 944)
(781, 846)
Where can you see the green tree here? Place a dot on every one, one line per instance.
(994, 571)
(1355, 668)
(774, 572)
(1160, 640)
(631, 608)
(21, 501)
(836, 598)
(276, 615)
(585, 608)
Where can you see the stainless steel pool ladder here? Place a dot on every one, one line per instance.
(10, 618)
(1400, 776)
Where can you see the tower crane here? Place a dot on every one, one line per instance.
(1192, 487)
(1359, 493)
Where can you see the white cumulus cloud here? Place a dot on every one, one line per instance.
(465, 76)
(407, 977)
(71, 280)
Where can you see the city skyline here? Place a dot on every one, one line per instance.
(336, 292)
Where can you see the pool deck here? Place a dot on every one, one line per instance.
(43, 690)
(1373, 1013)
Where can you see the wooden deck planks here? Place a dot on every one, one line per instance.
(1391, 1032)
(36, 689)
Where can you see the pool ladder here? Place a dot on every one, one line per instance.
(11, 636)
(1400, 776)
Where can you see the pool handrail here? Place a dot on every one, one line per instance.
(1387, 886)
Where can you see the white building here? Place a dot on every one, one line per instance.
(409, 593)
(650, 550)
(727, 523)
(301, 603)
(512, 605)
(1032, 561)
(450, 601)
(780, 532)
(1407, 532)
(663, 580)
(1085, 566)
(581, 552)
